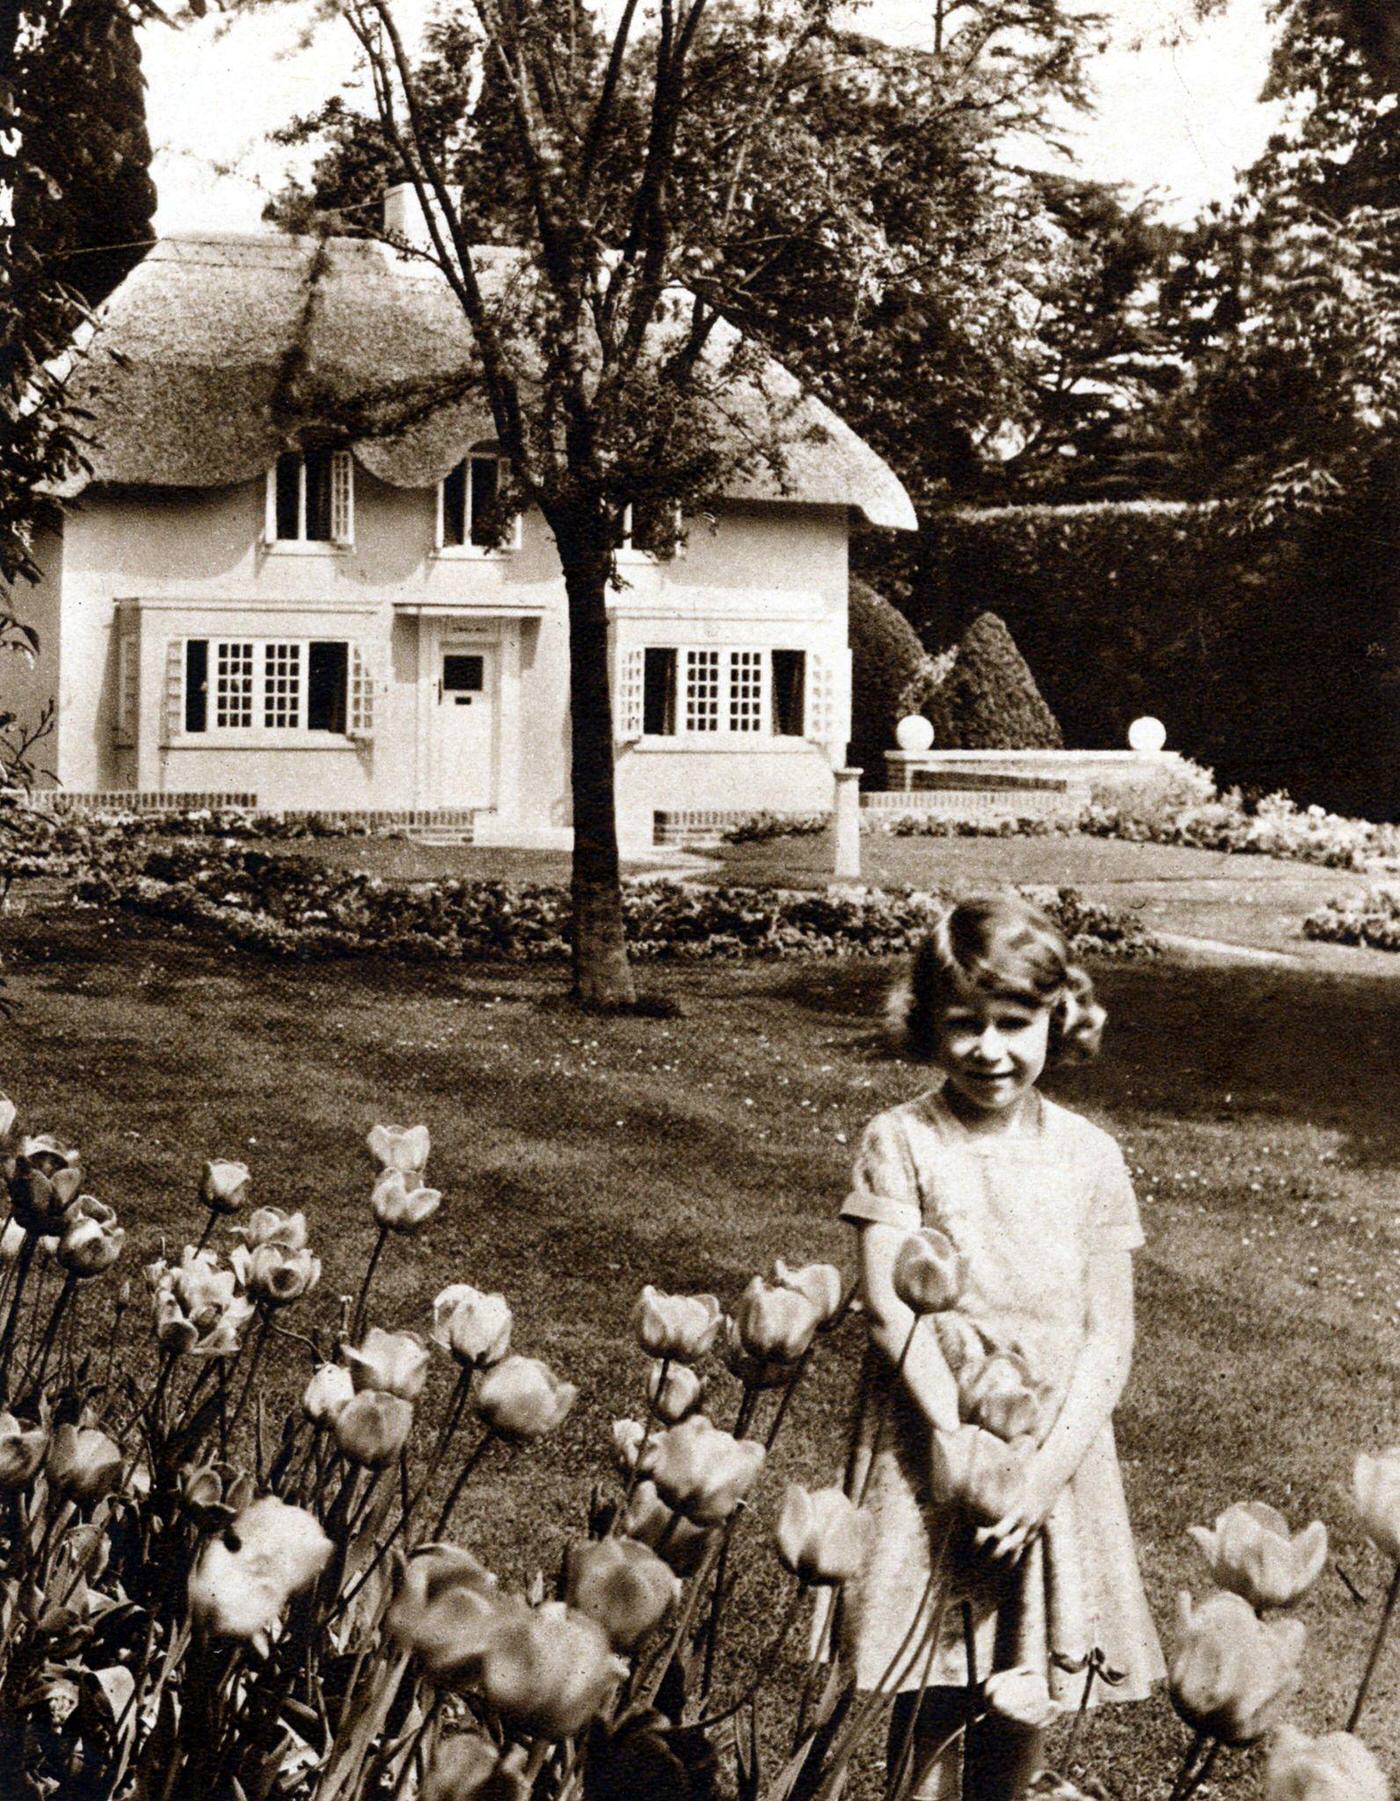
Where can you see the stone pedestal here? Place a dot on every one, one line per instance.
(846, 825)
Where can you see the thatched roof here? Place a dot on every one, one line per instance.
(216, 353)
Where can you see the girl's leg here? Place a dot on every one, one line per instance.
(934, 1765)
(1002, 1756)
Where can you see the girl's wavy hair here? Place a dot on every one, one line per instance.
(997, 944)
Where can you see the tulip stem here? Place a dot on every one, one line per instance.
(1185, 1776)
(7, 1339)
(450, 1504)
(1080, 1711)
(1392, 1596)
(785, 1400)
(208, 1232)
(765, 1666)
(357, 1313)
(883, 1416)
(254, 1362)
(60, 1307)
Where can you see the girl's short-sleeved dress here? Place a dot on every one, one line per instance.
(1027, 1210)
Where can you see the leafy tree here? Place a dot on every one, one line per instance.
(989, 700)
(886, 657)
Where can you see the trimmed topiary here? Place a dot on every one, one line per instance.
(886, 656)
(989, 700)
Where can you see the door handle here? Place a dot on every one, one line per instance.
(439, 688)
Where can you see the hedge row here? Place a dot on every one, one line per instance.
(289, 906)
(1372, 918)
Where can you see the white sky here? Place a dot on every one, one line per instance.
(1176, 115)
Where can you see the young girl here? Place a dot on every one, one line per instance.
(1040, 1206)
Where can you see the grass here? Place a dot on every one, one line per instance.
(581, 1158)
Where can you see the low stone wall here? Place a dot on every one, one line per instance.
(1101, 774)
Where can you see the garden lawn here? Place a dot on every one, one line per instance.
(582, 1157)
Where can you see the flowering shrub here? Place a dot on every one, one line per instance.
(292, 907)
(202, 1603)
(759, 827)
(1371, 918)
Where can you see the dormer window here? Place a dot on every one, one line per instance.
(471, 511)
(311, 498)
(651, 531)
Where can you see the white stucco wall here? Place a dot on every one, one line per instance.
(172, 565)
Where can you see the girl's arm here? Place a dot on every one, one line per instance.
(1099, 1376)
(924, 1374)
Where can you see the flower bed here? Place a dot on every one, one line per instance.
(290, 906)
(1372, 919)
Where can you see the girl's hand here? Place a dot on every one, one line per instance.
(1007, 1541)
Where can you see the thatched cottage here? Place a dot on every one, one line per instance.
(235, 607)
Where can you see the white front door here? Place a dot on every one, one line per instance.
(464, 724)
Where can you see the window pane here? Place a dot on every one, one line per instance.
(281, 686)
(746, 690)
(318, 496)
(702, 691)
(233, 686)
(659, 692)
(463, 674)
(196, 684)
(789, 684)
(327, 673)
(288, 492)
(487, 523)
(454, 507)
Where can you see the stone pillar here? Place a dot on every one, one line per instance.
(846, 825)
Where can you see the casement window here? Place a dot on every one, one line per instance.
(651, 531)
(471, 513)
(311, 498)
(279, 685)
(723, 694)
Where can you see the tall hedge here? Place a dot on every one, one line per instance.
(989, 700)
(885, 656)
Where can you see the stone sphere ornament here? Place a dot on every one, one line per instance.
(914, 732)
(1147, 734)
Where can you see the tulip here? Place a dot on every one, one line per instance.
(1335, 1767)
(12, 1241)
(88, 1247)
(928, 1271)
(399, 1208)
(820, 1282)
(632, 1444)
(473, 1326)
(270, 1225)
(622, 1584)
(522, 1399)
(703, 1472)
(823, 1536)
(394, 1363)
(1233, 1674)
(549, 1671)
(245, 1578)
(329, 1389)
(223, 1186)
(445, 1611)
(197, 1308)
(675, 1540)
(1375, 1488)
(40, 1197)
(468, 1767)
(1022, 1696)
(372, 1428)
(682, 1326)
(1251, 1553)
(48, 1153)
(1000, 1396)
(403, 1148)
(775, 1325)
(276, 1276)
(673, 1389)
(979, 1472)
(22, 1450)
(214, 1493)
(84, 1464)
(8, 1114)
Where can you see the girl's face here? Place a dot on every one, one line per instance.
(992, 1047)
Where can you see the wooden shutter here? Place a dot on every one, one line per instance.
(630, 693)
(342, 498)
(174, 689)
(821, 698)
(359, 722)
(128, 694)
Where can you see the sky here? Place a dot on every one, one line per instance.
(1177, 115)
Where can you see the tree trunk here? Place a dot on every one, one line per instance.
(602, 975)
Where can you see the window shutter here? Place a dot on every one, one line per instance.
(821, 698)
(174, 689)
(270, 507)
(630, 696)
(360, 711)
(128, 674)
(342, 499)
